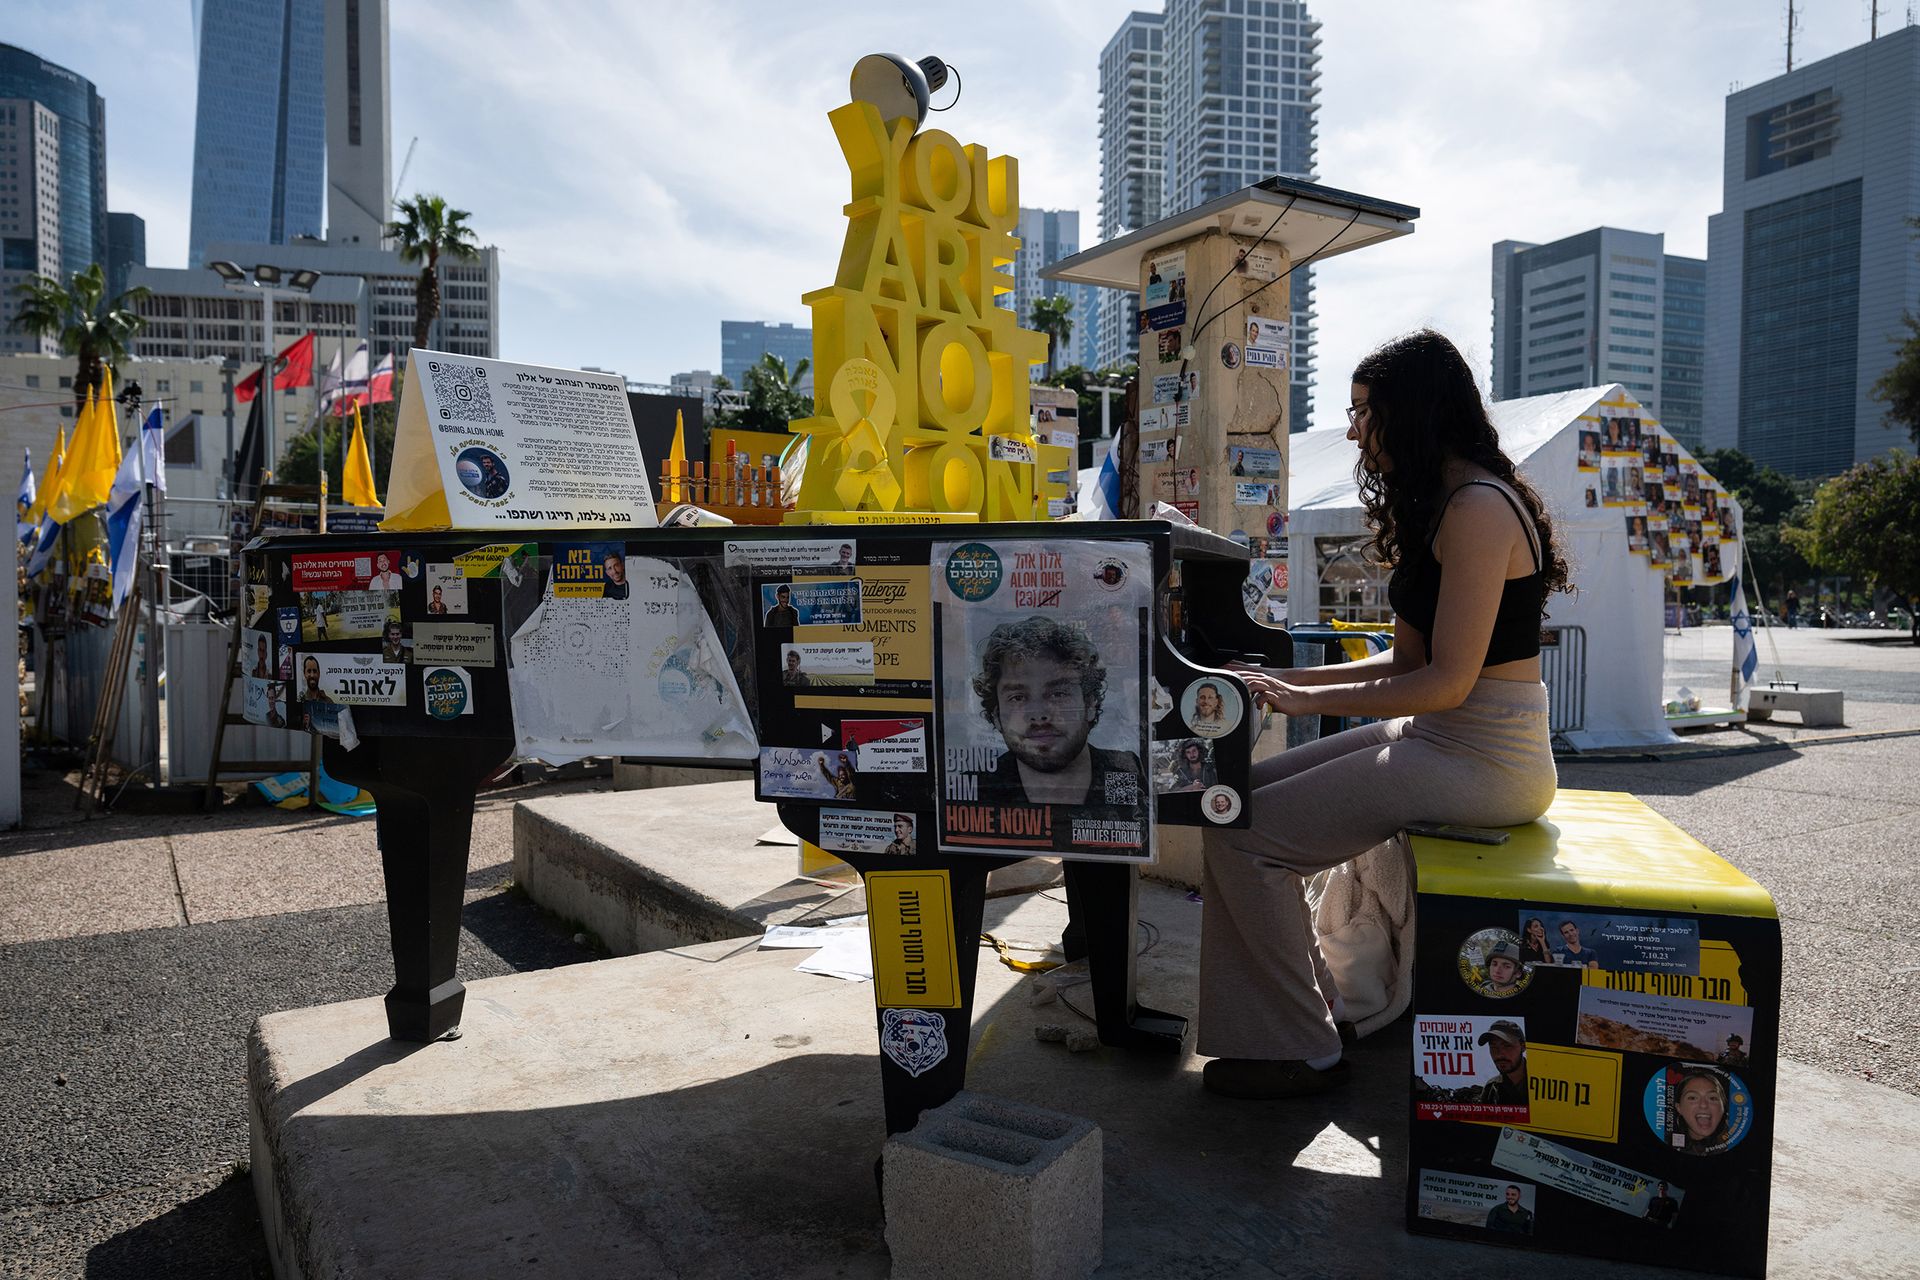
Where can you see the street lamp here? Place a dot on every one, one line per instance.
(270, 282)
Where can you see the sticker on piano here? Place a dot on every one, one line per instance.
(590, 571)
(803, 773)
(458, 644)
(355, 679)
(810, 604)
(348, 571)
(1617, 942)
(1487, 1203)
(1211, 708)
(446, 590)
(1183, 764)
(1220, 803)
(447, 692)
(496, 560)
(256, 651)
(347, 615)
(1698, 1110)
(834, 554)
(1470, 1068)
(867, 831)
(915, 1040)
(887, 746)
(809, 666)
(1587, 1176)
(1492, 964)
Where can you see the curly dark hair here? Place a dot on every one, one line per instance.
(1425, 408)
(1038, 637)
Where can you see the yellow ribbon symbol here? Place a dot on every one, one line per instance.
(863, 405)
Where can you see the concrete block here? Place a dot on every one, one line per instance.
(645, 777)
(986, 1189)
(1818, 708)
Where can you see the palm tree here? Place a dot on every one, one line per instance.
(81, 320)
(1053, 317)
(428, 229)
(775, 394)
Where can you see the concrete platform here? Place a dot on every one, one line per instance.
(683, 864)
(707, 1111)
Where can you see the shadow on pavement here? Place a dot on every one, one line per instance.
(214, 1236)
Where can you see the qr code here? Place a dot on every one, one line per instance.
(1121, 788)
(462, 391)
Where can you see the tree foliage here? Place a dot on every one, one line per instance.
(1866, 523)
(427, 230)
(1053, 317)
(299, 461)
(1899, 387)
(78, 316)
(774, 396)
(1769, 501)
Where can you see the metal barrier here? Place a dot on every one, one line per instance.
(1563, 669)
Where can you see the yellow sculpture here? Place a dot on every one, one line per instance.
(927, 378)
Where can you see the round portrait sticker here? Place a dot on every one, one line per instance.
(1211, 708)
(1490, 964)
(1220, 803)
(1697, 1109)
(1230, 355)
(483, 473)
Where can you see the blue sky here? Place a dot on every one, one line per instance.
(650, 169)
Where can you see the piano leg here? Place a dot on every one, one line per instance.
(425, 789)
(1103, 905)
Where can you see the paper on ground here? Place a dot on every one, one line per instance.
(847, 955)
(809, 935)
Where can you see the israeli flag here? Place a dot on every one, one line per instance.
(153, 444)
(1106, 488)
(1746, 654)
(23, 500)
(43, 548)
(125, 505)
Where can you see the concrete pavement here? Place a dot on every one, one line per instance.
(138, 949)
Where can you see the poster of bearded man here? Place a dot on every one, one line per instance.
(1042, 663)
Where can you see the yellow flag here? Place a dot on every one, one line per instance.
(51, 489)
(76, 489)
(111, 421)
(356, 484)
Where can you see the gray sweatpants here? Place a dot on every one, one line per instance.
(1264, 988)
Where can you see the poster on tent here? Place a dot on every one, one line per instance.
(485, 444)
(1588, 456)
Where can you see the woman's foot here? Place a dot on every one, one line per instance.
(1264, 1079)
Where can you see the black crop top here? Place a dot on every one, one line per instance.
(1414, 593)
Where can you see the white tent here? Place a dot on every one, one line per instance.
(1614, 661)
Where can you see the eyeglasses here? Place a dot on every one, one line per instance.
(1354, 411)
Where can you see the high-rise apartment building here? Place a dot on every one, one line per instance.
(77, 202)
(1603, 306)
(1132, 94)
(259, 131)
(743, 342)
(1046, 236)
(126, 249)
(1239, 84)
(1811, 262)
(359, 129)
(30, 210)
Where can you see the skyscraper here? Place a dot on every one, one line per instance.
(79, 199)
(30, 209)
(1238, 92)
(743, 342)
(1243, 88)
(126, 249)
(259, 133)
(1132, 94)
(1811, 262)
(1602, 306)
(1046, 236)
(359, 131)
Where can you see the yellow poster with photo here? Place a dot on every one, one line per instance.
(1572, 1093)
(910, 919)
(895, 620)
(1717, 981)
